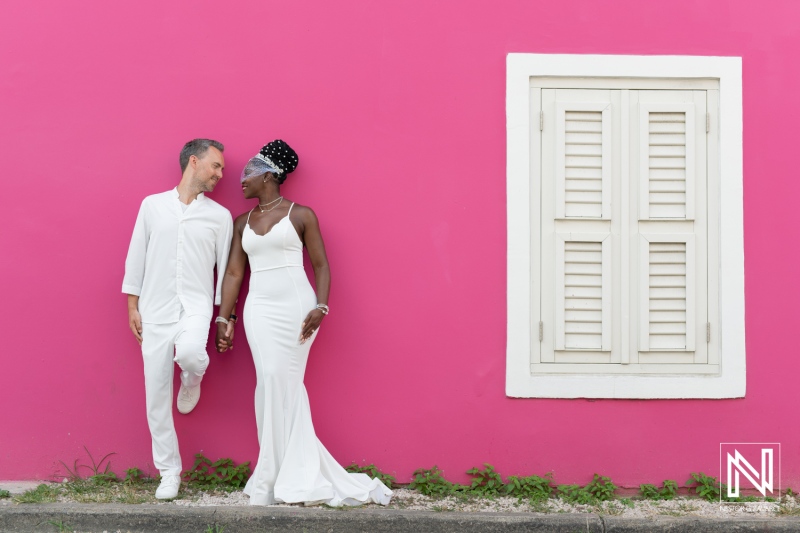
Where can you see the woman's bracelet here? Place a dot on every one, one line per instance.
(220, 319)
(324, 308)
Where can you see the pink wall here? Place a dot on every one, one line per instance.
(397, 112)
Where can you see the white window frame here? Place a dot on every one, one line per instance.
(523, 251)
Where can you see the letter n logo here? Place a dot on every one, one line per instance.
(740, 465)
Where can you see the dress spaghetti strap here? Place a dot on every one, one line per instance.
(290, 210)
(248, 216)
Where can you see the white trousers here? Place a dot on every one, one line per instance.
(182, 342)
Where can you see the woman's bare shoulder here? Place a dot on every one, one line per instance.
(241, 220)
(303, 211)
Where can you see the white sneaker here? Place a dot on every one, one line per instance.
(188, 398)
(168, 488)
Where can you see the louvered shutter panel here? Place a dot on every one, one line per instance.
(583, 292)
(671, 176)
(583, 160)
(667, 291)
(577, 250)
(667, 147)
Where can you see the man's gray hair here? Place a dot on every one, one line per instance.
(197, 147)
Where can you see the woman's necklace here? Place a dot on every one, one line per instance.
(262, 206)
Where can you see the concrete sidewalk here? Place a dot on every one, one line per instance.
(56, 517)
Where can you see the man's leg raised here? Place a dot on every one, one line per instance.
(192, 358)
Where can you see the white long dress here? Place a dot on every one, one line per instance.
(293, 466)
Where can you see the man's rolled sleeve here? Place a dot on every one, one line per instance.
(223, 246)
(137, 251)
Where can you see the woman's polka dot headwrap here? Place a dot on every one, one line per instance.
(276, 157)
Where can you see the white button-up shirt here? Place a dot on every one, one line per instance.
(172, 254)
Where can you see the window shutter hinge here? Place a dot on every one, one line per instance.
(708, 122)
(541, 331)
(708, 331)
(541, 120)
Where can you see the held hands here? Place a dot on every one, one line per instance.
(225, 336)
(310, 324)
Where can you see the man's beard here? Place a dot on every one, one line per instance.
(199, 185)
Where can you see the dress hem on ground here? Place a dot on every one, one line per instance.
(374, 491)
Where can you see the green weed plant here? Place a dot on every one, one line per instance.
(223, 473)
(104, 478)
(708, 488)
(668, 491)
(705, 486)
(431, 482)
(97, 473)
(533, 488)
(41, 494)
(133, 476)
(372, 471)
(600, 489)
(486, 481)
(576, 494)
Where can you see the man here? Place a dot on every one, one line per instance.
(169, 278)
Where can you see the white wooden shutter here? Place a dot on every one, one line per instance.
(583, 160)
(667, 147)
(577, 306)
(583, 292)
(623, 234)
(667, 292)
(668, 165)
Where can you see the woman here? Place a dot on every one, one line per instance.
(281, 319)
